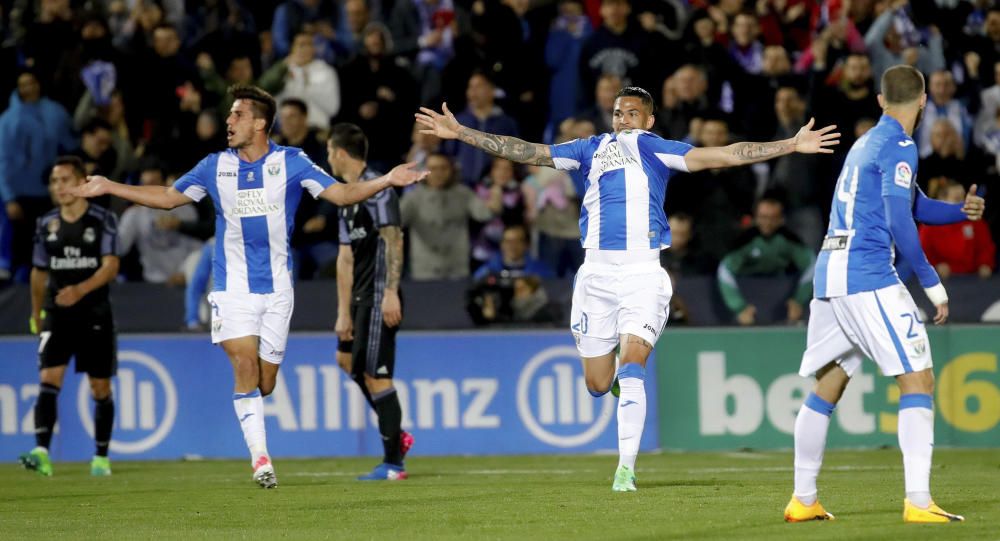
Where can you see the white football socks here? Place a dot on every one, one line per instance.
(811, 427)
(916, 440)
(631, 412)
(250, 411)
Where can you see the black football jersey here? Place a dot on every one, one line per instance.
(71, 252)
(359, 227)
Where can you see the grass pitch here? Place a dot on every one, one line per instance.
(681, 496)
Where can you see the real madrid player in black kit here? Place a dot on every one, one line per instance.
(369, 309)
(73, 262)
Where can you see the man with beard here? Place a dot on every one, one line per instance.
(862, 309)
(850, 99)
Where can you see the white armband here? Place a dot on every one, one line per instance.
(937, 294)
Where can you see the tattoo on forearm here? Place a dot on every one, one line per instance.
(393, 237)
(511, 148)
(755, 152)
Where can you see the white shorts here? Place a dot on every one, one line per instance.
(883, 325)
(267, 316)
(611, 300)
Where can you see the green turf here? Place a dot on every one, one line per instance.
(681, 496)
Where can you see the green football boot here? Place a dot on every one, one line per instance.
(624, 480)
(100, 466)
(37, 460)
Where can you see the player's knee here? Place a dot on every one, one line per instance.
(916, 382)
(377, 385)
(598, 385)
(100, 388)
(266, 387)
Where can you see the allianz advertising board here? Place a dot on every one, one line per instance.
(461, 394)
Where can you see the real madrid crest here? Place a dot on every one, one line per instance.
(88, 235)
(53, 229)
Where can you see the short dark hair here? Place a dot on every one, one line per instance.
(262, 103)
(95, 124)
(637, 92)
(518, 227)
(350, 138)
(902, 84)
(74, 162)
(296, 103)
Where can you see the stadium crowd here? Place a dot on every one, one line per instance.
(137, 89)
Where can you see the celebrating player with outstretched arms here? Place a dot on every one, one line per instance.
(861, 309)
(255, 186)
(621, 293)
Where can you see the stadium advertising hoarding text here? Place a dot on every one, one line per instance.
(462, 393)
(738, 388)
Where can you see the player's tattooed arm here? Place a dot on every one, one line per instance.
(446, 126)
(393, 237)
(806, 141)
(511, 148)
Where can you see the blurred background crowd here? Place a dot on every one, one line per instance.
(136, 88)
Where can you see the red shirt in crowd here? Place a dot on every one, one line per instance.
(964, 246)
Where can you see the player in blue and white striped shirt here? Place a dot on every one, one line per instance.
(256, 186)
(861, 309)
(621, 294)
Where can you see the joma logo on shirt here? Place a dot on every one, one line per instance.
(611, 158)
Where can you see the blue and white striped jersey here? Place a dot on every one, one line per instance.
(255, 206)
(626, 182)
(857, 254)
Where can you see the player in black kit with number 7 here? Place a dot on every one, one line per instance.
(73, 262)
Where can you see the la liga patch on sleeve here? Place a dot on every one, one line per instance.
(904, 175)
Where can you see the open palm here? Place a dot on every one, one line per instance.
(443, 125)
(95, 186)
(809, 141)
(406, 174)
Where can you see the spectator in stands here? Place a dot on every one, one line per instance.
(99, 157)
(989, 104)
(49, 38)
(162, 251)
(941, 103)
(552, 211)
(752, 120)
(888, 47)
(422, 146)
(987, 45)
(437, 214)
(114, 114)
(684, 97)
(615, 48)
(513, 258)
(701, 48)
(295, 131)
(238, 71)
(720, 198)
(309, 79)
(798, 177)
(292, 15)
(357, 18)
(947, 160)
(601, 111)
(569, 31)
(960, 248)
(159, 76)
(744, 48)
(481, 114)
(34, 130)
(425, 31)
(848, 99)
(379, 99)
(93, 65)
(684, 257)
(768, 249)
(502, 193)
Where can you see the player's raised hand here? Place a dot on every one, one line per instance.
(406, 174)
(974, 205)
(95, 186)
(444, 125)
(809, 141)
